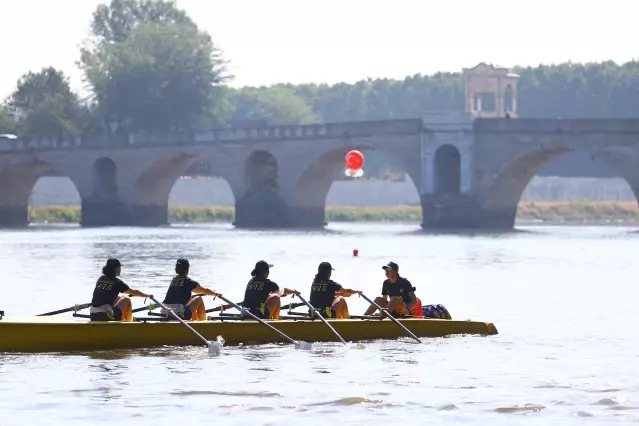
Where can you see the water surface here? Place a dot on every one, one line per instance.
(564, 300)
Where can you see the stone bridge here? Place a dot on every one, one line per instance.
(470, 173)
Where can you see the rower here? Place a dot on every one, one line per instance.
(327, 296)
(403, 301)
(106, 304)
(262, 296)
(179, 296)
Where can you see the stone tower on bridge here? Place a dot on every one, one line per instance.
(491, 92)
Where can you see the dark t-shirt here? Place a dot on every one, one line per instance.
(180, 290)
(401, 288)
(257, 291)
(323, 294)
(107, 290)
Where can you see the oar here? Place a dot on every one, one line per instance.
(315, 313)
(410, 333)
(221, 308)
(225, 307)
(213, 347)
(144, 308)
(61, 311)
(298, 344)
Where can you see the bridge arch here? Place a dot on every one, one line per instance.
(17, 181)
(308, 207)
(152, 188)
(501, 200)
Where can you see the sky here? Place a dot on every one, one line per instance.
(330, 41)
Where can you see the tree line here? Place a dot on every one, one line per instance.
(148, 67)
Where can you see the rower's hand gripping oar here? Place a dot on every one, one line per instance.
(74, 308)
(298, 344)
(318, 315)
(214, 347)
(392, 318)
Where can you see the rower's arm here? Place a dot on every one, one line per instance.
(203, 290)
(288, 291)
(138, 293)
(347, 292)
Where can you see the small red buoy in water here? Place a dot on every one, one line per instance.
(354, 160)
(355, 252)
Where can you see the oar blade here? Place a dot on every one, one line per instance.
(304, 346)
(214, 348)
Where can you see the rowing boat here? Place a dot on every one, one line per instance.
(45, 334)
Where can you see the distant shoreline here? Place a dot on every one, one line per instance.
(573, 213)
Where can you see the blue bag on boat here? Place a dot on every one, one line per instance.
(436, 311)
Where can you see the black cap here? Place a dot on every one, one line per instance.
(183, 262)
(261, 266)
(113, 263)
(324, 267)
(391, 266)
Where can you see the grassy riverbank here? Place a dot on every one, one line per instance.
(548, 212)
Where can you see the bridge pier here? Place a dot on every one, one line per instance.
(459, 211)
(503, 219)
(98, 212)
(149, 215)
(261, 210)
(14, 217)
(307, 217)
(464, 212)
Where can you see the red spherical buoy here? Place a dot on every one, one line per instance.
(354, 160)
(355, 252)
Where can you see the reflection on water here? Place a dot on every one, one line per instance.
(562, 298)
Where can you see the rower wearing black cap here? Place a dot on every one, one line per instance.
(262, 296)
(327, 296)
(403, 301)
(107, 305)
(179, 296)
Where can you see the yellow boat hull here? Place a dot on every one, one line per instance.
(54, 335)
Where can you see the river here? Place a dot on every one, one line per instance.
(564, 300)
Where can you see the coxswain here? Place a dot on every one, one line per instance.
(107, 304)
(327, 296)
(179, 296)
(403, 301)
(262, 296)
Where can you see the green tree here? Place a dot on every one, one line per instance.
(278, 105)
(115, 23)
(7, 121)
(604, 90)
(152, 69)
(46, 105)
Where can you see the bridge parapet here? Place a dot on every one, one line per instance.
(21, 145)
(557, 126)
(262, 134)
